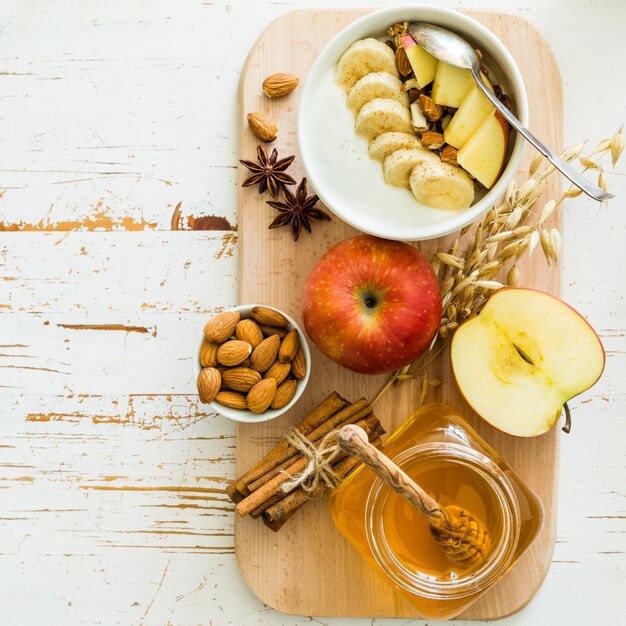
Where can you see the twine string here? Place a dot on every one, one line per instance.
(319, 461)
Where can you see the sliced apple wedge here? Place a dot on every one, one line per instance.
(522, 358)
(483, 154)
(376, 85)
(451, 85)
(398, 165)
(423, 63)
(473, 110)
(381, 147)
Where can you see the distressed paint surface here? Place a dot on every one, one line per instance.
(121, 116)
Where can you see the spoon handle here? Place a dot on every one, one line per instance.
(353, 440)
(563, 166)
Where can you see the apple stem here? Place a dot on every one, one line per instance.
(568, 419)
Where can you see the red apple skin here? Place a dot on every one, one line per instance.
(407, 41)
(372, 305)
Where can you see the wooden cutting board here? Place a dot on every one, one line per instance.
(307, 567)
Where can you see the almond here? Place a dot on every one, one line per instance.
(233, 352)
(279, 85)
(432, 140)
(263, 127)
(448, 155)
(248, 330)
(298, 365)
(265, 353)
(269, 317)
(270, 330)
(289, 346)
(284, 394)
(402, 62)
(241, 378)
(219, 328)
(232, 399)
(278, 371)
(208, 354)
(261, 395)
(209, 382)
(432, 111)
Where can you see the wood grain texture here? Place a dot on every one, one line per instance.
(328, 577)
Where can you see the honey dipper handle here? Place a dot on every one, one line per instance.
(353, 440)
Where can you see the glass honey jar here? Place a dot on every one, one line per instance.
(446, 457)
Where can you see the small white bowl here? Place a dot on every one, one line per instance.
(240, 415)
(336, 160)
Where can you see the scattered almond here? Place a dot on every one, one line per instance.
(265, 353)
(289, 346)
(261, 396)
(278, 371)
(431, 111)
(448, 155)
(270, 330)
(208, 354)
(269, 317)
(298, 365)
(248, 330)
(279, 85)
(263, 127)
(240, 378)
(221, 327)
(209, 382)
(432, 140)
(233, 352)
(402, 62)
(284, 394)
(232, 399)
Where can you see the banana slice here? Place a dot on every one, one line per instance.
(376, 85)
(399, 164)
(381, 147)
(382, 115)
(441, 186)
(363, 57)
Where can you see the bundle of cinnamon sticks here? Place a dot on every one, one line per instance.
(260, 492)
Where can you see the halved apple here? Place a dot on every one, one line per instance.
(522, 357)
(451, 85)
(473, 110)
(483, 154)
(423, 63)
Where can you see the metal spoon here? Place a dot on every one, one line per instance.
(450, 48)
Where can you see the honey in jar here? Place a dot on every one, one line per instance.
(450, 461)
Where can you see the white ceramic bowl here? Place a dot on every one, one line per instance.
(240, 415)
(336, 160)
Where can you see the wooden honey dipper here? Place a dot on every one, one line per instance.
(463, 537)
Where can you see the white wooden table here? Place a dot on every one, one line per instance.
(111, 114)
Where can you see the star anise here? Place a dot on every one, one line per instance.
(297, 210)
(268, 172)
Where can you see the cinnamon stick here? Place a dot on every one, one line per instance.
(269, 489)
(275, 516)
(238, 489)
(376, 432)
(314, 437)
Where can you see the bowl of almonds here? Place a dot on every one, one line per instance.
(253, 363)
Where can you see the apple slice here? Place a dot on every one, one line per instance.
(473, 110)
(522, 357)
(423, 63)
(483, 154)
(451, 85)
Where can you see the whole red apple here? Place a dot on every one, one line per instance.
(372, 305)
